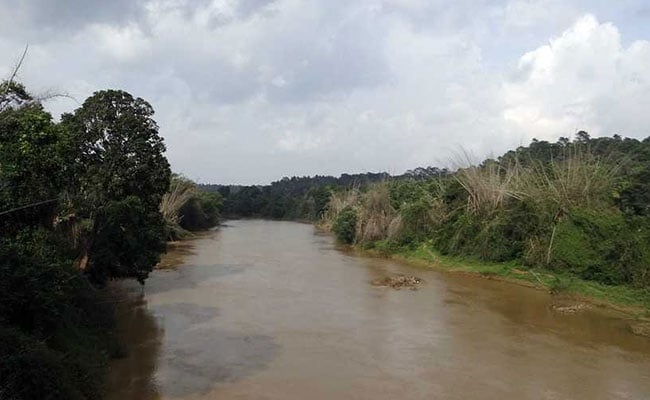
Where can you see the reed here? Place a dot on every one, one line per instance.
(490, 185)
(180, 191)
(376, 213)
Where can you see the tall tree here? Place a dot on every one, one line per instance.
(119, 161)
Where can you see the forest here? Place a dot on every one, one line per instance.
(300, 198)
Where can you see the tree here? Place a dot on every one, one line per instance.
(119, 161)
(31, 162)
(55, 329)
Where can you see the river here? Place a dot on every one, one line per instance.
(273, 310)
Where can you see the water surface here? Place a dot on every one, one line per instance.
(272, 310)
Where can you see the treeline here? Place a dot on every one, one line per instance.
(577, 206)
(79, 205)
(299, 198)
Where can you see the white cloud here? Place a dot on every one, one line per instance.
(250, 90)
(120, 43)
(583, 79)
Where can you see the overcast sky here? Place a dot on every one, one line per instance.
(248, 91)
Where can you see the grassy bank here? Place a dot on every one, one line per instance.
(624, 298)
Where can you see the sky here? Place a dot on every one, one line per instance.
(249, 91)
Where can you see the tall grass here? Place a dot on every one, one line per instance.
(579, 179)
(373, 209)
(500, 210)
(180, 191)
(510, 192)
(337, 203)
(376, 213)
(490, 185)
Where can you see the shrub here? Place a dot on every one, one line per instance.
(598, 245)
(55, 329)
(345, 225)
(128, 241)
(338, 202)
(418, 221)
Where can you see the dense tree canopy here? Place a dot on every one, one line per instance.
(81, 193)
(118, 158)
(118, 150)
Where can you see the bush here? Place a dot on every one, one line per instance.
(419, 220)
(345, 225)
(128, 241)
(599, 246)
(55, 329)
(200, 212)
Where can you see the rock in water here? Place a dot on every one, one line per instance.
(641, 328)
(398, 282)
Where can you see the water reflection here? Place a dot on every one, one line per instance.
(133, 375)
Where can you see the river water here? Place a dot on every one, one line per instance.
(272, 310)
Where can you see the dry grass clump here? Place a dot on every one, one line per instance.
(372, 207)
(581, 179)
(395, 228)
(180, 191)
(338, 202)
(578, 179)
(488, 186)
(376, 214)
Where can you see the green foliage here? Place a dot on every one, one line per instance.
(30, 370)
(559, 285)
(55, 329)
(419, 220)
(119, 150)
(497, 235)
(598, 245)
(31, 165)
(211, 204)
(201, 212)
(578, 207)
(81, 193)
(345, 225)
(120, 175)
(128, 241)
(296, 198)
(185, 208)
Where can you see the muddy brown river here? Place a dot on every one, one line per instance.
(272, 310)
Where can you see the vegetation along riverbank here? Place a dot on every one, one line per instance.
(571, 216)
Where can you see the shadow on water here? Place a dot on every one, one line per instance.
(203, 354)
(179, 349)
(132, 375)
(189, 278)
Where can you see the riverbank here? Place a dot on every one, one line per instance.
(631, 301)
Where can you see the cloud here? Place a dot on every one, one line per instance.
(54, 19)
(583, 79)
(248, 91)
